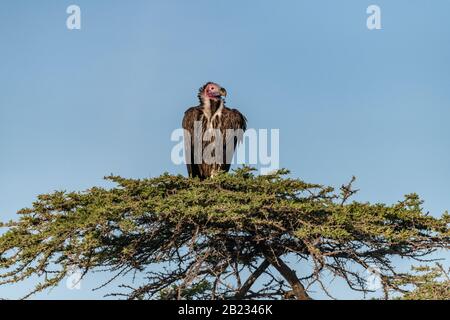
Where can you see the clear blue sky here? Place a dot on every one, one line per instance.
(78, 105)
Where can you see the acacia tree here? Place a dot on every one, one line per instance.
(216, 239)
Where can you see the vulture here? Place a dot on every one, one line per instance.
(211, 133)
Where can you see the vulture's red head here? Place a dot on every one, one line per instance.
(212, 91)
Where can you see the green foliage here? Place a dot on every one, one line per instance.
(430, 283)
(203, 232)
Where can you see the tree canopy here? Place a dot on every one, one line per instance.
(215, 239)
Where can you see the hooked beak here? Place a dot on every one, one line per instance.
(223, 92)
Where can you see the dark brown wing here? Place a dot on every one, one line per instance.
(232, 119)
(190, 116)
